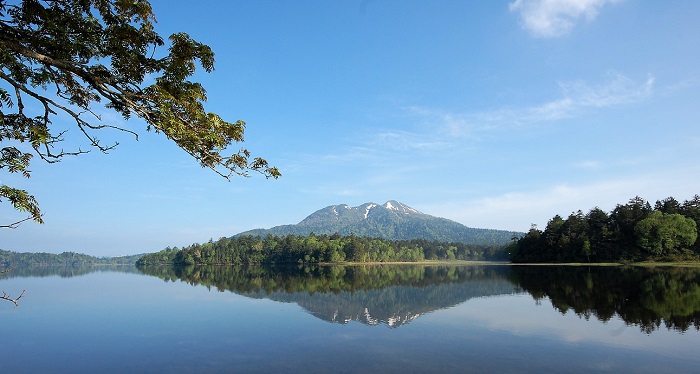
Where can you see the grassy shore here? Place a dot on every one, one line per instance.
(464, 262)
(653, 264)
(424, 262)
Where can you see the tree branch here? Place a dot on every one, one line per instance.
(7, 270)
(81, 123)
(7, 297)
(93, 80)
(98, 52)
(13, 226)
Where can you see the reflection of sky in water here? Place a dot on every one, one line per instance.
(113, 322)
(521, 315)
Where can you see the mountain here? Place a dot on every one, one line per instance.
(393, 221)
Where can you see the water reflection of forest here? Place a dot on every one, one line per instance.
(650, 298)
(373, 295)
(394, 295)
(645, 297)
(40, 271)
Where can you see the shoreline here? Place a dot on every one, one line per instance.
(467, 263)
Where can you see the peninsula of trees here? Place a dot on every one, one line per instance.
(9, 259)
(319, 249)
(632, 232)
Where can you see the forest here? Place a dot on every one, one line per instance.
(632, 232)
(319, 249)
(10, 259)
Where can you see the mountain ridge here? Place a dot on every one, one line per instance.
(392, 220)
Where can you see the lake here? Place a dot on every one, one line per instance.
(352, 319)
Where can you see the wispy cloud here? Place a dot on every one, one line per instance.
(576, 98)
(681, 85)
(554, 18)
(617, 91)
(354, 154)
(451, 124)
(579, 95)
(429, 138)
(587, 165)
(401, 140)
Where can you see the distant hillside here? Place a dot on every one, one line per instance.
(393, 221)
(10, 259)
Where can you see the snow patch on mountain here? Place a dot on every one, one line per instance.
(400, 208)
(409, 210)
(368, 208)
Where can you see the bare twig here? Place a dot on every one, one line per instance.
(7, 297)
(13, 226)
(7, 270)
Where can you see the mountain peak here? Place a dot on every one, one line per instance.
(400, 207)
(364, 210)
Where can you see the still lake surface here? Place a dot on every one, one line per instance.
(352, 319)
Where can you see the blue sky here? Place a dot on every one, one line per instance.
(495, 114)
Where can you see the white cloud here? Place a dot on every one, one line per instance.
(516, 210)
(437, 131)
(408, 141)
(617, 91)
(451, 124)
(551, 111)
(588, 164)
(553, 18)
(431, 138)
(681, 85)
(542, 319)
(576, 97)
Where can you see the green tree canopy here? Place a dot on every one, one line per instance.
(631, 232)
(662, 233)
(67, 57)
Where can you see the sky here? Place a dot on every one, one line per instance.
(495, 114)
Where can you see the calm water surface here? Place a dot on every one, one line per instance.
(352, 319)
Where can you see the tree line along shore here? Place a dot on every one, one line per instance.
(632, 232)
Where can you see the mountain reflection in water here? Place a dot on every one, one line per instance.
(395, 295)
(373, 295)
